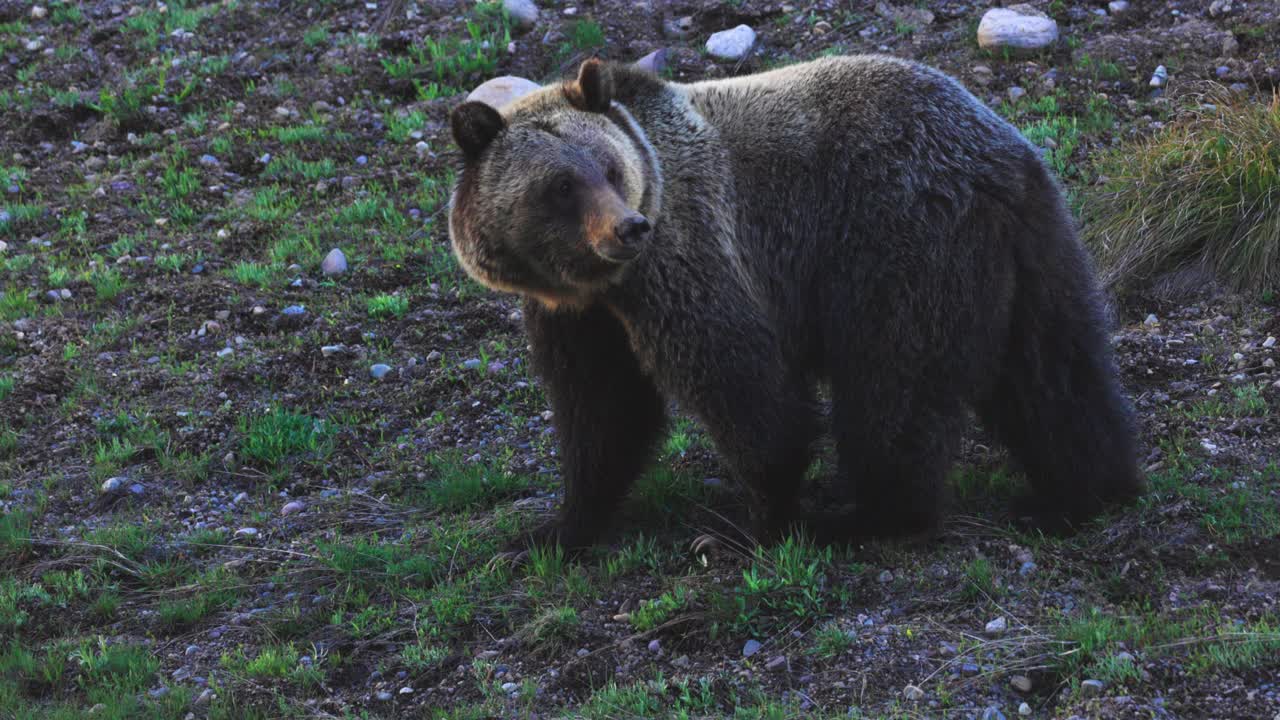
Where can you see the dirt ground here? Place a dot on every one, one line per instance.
(236, 485)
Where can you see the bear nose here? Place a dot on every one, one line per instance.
(631, 229)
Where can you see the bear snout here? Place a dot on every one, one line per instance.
(626, 239)
(632, 229)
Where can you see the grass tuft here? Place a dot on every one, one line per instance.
(1203, 194)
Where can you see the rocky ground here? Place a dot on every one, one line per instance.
(243, 475)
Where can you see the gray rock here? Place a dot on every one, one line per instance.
(731, 44)
(208, 161)
(679, 28)
(501, 90)
(240, 497)
(1219, 7)
(247, 532)
(1018, 28)
(379, 371)
(1016, 93)
(751, 648)
(654, 62)
(509, 686)
(524, 13)
(1118, 7)
(1027, 568)
(137, 489)
(1091, 688)
(1024, 709)
(776, 663)
(335, 263)
(992, 713)
(1021, 683)
(885, 576)
(291, 508)
(383, 696)
(472, 364)
(913, 693)
(997, 627)
(112, 485)
(191, 650)
(969, 669)
(331, 350)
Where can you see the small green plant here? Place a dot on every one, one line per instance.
(980, 580)
(831, 641)
(653, 613)
(586, 34)
(385, 306)
(107, 284)
(279, 435)
(316, 35)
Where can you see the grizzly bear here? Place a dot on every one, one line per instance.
(729, 244)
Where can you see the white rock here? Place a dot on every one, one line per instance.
(502, 90)
(1219, 7)
(335, 263)
(731, 44)
(523, 12)
(1091, 688)
(331, 350)
(1269, 342)
(1025, 709)
(1116, 7)
(291, 508)
(997, 627)
(379, 371)
(38, 12)
(247, 532)
(1017, 28)
(913, 693)
(1159, 77)
(114, 484)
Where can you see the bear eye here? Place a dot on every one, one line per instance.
(612, 175)
(564, 186)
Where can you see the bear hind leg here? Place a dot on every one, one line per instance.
(894, 464)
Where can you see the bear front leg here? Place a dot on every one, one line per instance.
(725, 367)
(608, 415)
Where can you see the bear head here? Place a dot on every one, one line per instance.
(559, 191)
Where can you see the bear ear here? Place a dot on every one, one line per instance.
(475, 125)
(593, 90)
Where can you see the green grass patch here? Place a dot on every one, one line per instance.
(387, 306)
(278, 436)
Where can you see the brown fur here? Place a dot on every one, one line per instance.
(863, 221)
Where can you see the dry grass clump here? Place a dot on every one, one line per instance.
(1203, 195)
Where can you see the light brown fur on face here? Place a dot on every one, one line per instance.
(511, 237)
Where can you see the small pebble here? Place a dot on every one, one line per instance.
(913, 693)
(247, 532)
(997, 627)
(885, 576)
(114, 484)
(509, 686)
(1024, 709)
(379, 371)
(992, 713)
(751, 648)
(1091, 688)
(1021, 683)
(655, 646)
(291, 508)
(776, 663)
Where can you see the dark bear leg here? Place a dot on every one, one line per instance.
(895, 467)
(608, 415)
(1057, 402)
